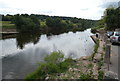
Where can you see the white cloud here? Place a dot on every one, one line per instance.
(88, 9)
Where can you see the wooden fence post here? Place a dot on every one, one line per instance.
(107, 55)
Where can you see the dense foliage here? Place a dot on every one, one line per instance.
(112, 18)
(7, 17)
(56, 25)
(26, 23)
(87, 76)
(48, 24)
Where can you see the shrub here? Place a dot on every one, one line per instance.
(52, 68)
(100, 64)
(69, 60)
(87, 75)
(37, 74)
(100, 75)
(94, 30)
(54, 57)
(53, 64)
(63, 66)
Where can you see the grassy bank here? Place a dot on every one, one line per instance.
(7, 24)
(95, 50)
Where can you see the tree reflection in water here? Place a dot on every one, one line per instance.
(23, 39)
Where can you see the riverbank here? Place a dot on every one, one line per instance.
(86, 67)
(9, 30)
(8, 33)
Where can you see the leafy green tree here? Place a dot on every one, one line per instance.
(7, 17)
(52, 24)
(56, 25)
(25, 23)
(112, 18)
(49, 22)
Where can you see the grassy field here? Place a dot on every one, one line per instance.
(7, 24)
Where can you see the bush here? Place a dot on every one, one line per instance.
(63, 66)
(38, 74)
(69, 60)
(100, 64)
(52, 68)
(54, 57)
(53, 64)
(94, 30)
(66, 63)
(100, 75)
(87, 75)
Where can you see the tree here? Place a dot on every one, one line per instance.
(112, 18)
(25, 23)
(56, 25)
(49, 22)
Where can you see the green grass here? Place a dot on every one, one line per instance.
(95, 51)
(100, 75)
(7, 24)
(100, 64)
(43, 24)
(87, 75)
(90, 66)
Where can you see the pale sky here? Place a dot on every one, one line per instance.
(87, 9)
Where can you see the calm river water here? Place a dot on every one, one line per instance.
(21, 54)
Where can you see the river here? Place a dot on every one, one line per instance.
(21, 54)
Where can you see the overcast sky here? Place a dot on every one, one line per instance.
(88, 9)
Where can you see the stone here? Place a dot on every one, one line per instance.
(77, 64)
(66, 75)
(97, 57)
(70, 69)
(75, 69)
(110, 75)
(46, 78)
(79, 70)
(84, 57)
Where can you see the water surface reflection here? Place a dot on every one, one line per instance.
(21, 54)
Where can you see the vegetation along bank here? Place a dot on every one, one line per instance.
(45, 24)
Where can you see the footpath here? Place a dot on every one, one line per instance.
(98, 57)
(110, 62)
